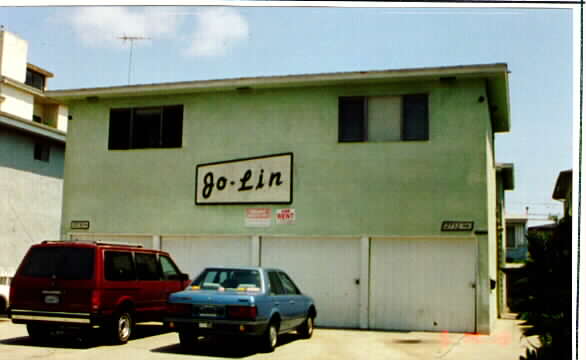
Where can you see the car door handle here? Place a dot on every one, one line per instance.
(277, 303)
(291, 301)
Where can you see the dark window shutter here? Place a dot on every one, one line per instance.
(172, 126)
(119, 131)
(352, 125)
(415, 117)
(146, 128)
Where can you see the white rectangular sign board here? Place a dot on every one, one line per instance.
(260, 180)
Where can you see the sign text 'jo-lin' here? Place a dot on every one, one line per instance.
(265, 179)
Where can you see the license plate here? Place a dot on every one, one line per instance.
(205, 325)
(51, 299)
(208, 311)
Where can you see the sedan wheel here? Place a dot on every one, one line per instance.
(269, 341)
(306, 329)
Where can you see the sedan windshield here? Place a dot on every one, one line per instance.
(228, 279)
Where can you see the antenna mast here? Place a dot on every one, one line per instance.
(132, 39)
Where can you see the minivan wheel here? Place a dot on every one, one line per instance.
(37, 332)
(187, 339)
(122, 327)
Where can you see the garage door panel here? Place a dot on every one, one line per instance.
(193, 254)
(325, 269)
(419, 284)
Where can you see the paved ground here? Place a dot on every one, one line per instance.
(151, 343)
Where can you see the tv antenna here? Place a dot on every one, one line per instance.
(132, 39)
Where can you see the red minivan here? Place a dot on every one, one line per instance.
(79, 285)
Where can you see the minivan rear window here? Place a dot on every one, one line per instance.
(67, 263)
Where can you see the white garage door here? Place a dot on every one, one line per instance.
(420, 284)
(145, 240)
(193, 254)
(325, 269)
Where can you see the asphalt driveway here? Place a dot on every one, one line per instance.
(153, 343)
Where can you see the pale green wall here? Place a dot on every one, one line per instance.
(400, 188)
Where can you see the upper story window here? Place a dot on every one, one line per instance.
(42, 151)
(150, 127)
(383, 118)
(35, 79)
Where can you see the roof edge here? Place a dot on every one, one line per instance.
(31, 127)
(481, 71)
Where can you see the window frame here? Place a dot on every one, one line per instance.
(35, 79)
(42, 151)
(126, 132)
(404, 137)
(154, 275)
(285, 278)
(163, 274)
(106, 269)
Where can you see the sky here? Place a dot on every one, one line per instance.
(82, 47)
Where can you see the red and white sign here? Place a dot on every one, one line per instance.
(258, 217)
(285, 216)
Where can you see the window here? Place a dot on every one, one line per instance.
(35, 79)
(276, 286)
(146, 267)
(288, 284)
(168, 269)
(141, 128)
(383, 118)
(510, 237)
(118, 266)
(60, 262)
(42, 151)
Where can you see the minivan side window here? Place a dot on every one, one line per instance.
(146, 266)
(168, 269)
(118, 266)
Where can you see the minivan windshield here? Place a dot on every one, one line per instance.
(59, 262)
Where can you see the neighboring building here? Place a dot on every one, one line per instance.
(32, 150)
(563, 191)
(516, 239)
(377, 191)
(505, 181)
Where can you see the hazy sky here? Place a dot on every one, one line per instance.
(80, 46)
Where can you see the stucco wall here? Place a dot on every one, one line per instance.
(16, 102)
(13, 55)
(31, 192)
(395, 188)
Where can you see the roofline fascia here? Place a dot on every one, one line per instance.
(39, 69)
(473, 71)
(32, 127)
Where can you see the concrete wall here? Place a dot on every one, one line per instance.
(31, 192)
(17, 102)
(13, 55)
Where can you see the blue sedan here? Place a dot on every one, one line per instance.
(250, 301)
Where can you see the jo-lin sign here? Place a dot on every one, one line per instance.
(259, 180)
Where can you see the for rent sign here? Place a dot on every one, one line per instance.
(260, 180)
